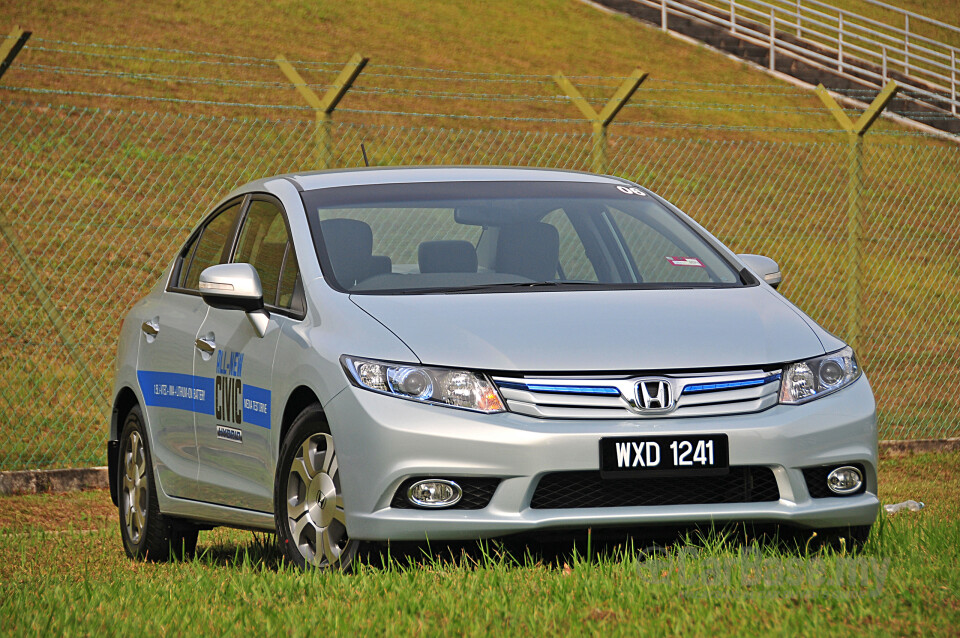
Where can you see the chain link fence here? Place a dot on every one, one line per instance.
(95, 202)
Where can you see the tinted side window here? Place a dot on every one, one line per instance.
(208, 247)
(263, 243)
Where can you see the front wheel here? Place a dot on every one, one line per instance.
(308, 501)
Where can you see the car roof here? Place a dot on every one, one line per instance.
(314, 180)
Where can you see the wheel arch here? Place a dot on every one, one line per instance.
(124, 402)
(301, 397)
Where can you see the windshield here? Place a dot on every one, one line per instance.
(446, 237)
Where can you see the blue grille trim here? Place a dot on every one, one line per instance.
(729, 385)
(560, 389)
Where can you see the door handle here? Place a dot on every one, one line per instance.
(208, 346)
(150, 327)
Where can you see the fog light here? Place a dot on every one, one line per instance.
(434, 493)
(844, 480)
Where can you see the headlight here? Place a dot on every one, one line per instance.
(440, 386)
(811, 379)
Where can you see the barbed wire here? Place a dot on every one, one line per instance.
(88, 72)
(835, 133)
(441, 75)
(381, 76)
(42, 68)
(40, 91)
(414, 94)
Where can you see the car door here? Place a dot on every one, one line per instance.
(234, 439)
(171, 392)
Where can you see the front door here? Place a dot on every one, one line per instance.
(234, 438)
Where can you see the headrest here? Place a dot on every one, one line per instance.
(529, 249)
(447, 256)
(348, 234)
(349, 244)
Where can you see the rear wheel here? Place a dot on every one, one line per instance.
(308, 500)
(147, 534)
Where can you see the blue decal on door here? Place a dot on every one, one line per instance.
(224, 397)
(178, 391)
(256, 406)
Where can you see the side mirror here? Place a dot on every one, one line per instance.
(764, 267)
(232, 287)
(235, 287)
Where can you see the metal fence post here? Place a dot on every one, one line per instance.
(11, 46)
(953, 81)
(855, 132)
(663, 15)
(50, 309)
(9, 49)
(906, 44)
(602, 119)
(324, 107)
(773, 32)
(854, 236)
(840, 42)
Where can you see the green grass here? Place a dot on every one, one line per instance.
(537, 37)
(904, 583)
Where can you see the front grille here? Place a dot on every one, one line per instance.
(816, 479)
(477, 492)
(616, 397)
(566, 490)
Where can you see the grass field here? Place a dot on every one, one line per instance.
(688, 85)
(63, 572)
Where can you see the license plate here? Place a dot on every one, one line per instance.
(686, 455)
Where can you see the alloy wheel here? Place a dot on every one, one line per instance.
(315, 515)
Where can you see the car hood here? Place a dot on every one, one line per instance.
(598, 331)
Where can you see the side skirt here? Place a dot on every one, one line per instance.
(216, 514)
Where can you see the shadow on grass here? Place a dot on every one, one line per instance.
(566, 547)
(261, 553)
(555, 550)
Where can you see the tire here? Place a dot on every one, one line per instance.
(308, 501)
(147, 534)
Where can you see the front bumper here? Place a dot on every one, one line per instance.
(382, 440)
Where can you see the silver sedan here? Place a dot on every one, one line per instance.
(455, 353)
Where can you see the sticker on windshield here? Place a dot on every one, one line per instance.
(686, 261)
(631, 190)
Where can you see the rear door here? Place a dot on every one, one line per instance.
(172, 394)
(234, 438)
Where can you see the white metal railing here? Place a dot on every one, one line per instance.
(841, 41)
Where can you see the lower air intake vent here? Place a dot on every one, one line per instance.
(566, 490)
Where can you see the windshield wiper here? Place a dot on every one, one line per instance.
(513, 285)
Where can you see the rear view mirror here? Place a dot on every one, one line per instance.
(489, 214)
(764, 267)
